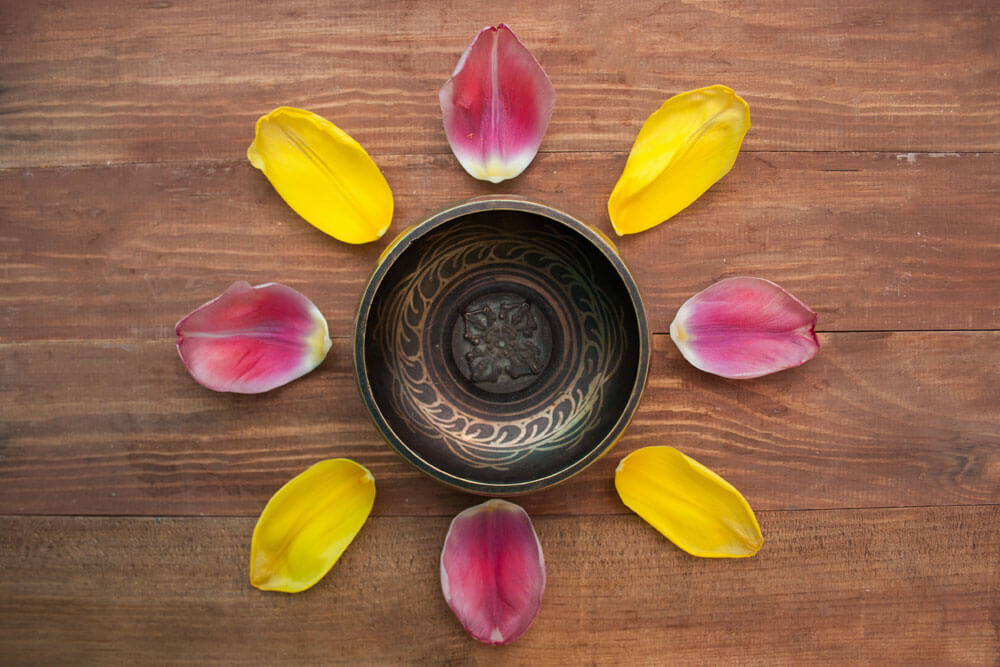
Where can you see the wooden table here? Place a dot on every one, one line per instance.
(869, 186)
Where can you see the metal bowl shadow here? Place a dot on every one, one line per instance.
(501, 346)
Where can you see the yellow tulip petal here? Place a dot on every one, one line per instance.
(308, 524)
(682, 150)
(323, 174)
(692, 506)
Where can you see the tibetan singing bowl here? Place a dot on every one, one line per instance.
(501, 346)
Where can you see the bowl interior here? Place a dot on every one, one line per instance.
(502, 350)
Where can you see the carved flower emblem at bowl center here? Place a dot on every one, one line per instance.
(504, 341)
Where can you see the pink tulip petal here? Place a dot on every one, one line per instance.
(496, 106)
(252, 339)
(493, 571)
(744, 328)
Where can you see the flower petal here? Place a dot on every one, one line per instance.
(496, 106)
(308, 524)
(252, 339)
(682, 150)
(493, 571)
(745, 327)
(689, 504)
(323, 174)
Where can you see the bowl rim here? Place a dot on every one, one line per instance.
(400, 244)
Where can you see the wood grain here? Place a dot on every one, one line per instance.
(874, 420)
(89, 81)
(869, 186)
(910, 586)
(871, 242)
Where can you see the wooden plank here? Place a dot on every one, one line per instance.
(872, 242)
(911, 586)
(92, 81)
(875, 420)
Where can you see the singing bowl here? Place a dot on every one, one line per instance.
(501, 346)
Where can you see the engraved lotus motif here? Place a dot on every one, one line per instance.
(503, 342)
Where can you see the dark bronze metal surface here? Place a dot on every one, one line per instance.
(501, 346)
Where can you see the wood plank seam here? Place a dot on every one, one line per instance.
(230, 161)
(473, 499)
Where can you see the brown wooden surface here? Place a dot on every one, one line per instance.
(917, 428)
(869, 186)
(867, 240)
(91, 81)
(829, 587)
